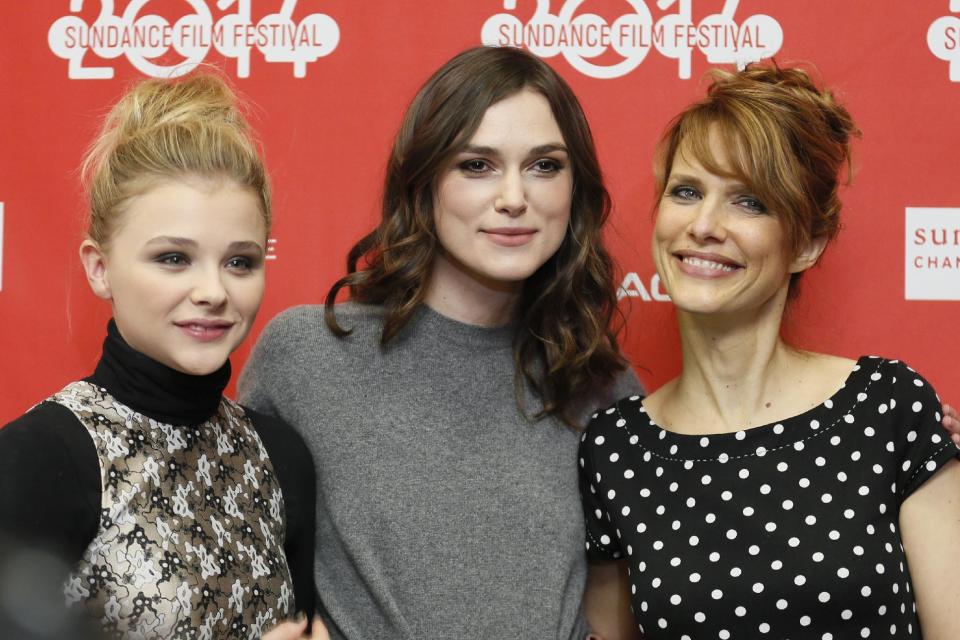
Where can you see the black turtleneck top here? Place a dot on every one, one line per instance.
(50, 494)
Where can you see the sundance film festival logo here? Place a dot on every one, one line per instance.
(582, 38)
(943, 38)
(148, 40)
(932, 253)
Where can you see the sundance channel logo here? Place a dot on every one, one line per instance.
(932, 254)
(585, 38)
(173, 45)
(943, 39)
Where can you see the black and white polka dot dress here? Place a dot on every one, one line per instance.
(788, 530)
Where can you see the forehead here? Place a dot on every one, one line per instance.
(210, 209)
(522, 116)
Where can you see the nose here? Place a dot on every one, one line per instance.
(208, 288)
(512, 197)
(707, 223)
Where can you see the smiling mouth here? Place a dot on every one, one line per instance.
(708, 264)
(205, 330)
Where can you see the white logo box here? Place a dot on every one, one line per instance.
(932, 241)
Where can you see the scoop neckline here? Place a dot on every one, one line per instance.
(758, 440)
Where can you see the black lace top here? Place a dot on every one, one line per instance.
(180, 513)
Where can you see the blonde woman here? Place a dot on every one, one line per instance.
(179, 512)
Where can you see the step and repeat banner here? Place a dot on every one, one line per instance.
(330, 80)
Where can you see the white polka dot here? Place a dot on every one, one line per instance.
(834, 535)
(848, 418)
(758, 587)
(782, 466)
(744, 474)
(875, 376)
(787, 505)
(764, 489)
(846, 614)
(662, 623)
(740, 611)
(858, 550)
(714, 556)
(917, 406)
(674, 561)
(753, 550)
(770, 527)
(716, 594)
(628, 474)
(634, 439)
(611, 494)
(726, 495)
(882, 408)
(804, 483)
(598, 440)
(865, 591)
(931, 465)
(778, 429)
(879, 568)
(843, 572)
(869, 432)
(776, 565)
(817, 557)
(699, 616)
(706, 479)
(694, 577)
(740, 435)
(645, 493)
(810, 520)
(782, 604)
(794, 542)
(614, 457)
(731, 534)
(673, 449)
(723, 457)
(625, 511)
(835, 440)
(704, 442)
(861, 397)
(761, 451)
(748, 511)
(710, 518)
(604, 539)
(764, 627)
(657, 545)
(911, 436)
(814, 424)
(805, 621)
(798, 445)
(826, 498)
(735, 572)
(675, 599)
(820, 461)
(863, 490)
(842, 476)
(673, 487)
(691, 502)
(855, 456)
(799, 580)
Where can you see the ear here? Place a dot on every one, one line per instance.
(809, 255)
(94, 262)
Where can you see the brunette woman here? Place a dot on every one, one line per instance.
(438, 403)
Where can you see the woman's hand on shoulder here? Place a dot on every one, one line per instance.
(296, 629)
(951, 422)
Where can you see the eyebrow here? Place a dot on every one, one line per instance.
(237, 245)
(535, 151)
(693, 180)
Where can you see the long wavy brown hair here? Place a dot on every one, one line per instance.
(565, 344)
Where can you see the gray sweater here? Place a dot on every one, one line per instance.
(441, 511)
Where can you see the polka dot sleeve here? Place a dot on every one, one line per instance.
(921, 443)
(601, 543)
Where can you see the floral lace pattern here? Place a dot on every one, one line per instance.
(190, 541)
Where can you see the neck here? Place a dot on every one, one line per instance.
(733, 367)
(462, 296)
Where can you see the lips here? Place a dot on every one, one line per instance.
(510, 236)
(706, 265)
(204, 329)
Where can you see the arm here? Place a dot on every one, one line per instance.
(607, 602)
(951, 422)
(930, 527)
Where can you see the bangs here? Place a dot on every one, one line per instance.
(702, 133)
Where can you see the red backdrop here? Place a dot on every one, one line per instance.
(331, 78)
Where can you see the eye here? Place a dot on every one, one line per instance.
(751, 204)
(684, 192)
(547, 166)
(475, 166)
(172, 259)
(240, 263)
